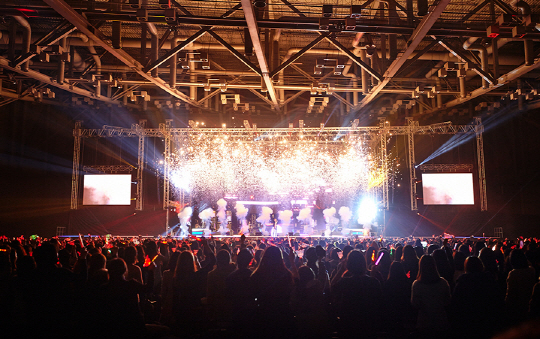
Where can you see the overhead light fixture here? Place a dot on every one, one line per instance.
(324, 24)
(135, 3)
(356, 11)
(350, 24)
(518, 32)
(142, 15)
(327, 10)
(442, 73)
(259, 3)
(163, 4)
(170, 15)
(493, 31)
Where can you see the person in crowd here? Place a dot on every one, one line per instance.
(189, 287)
(476, 303)
(239, 294)
(133, 271)
(520, 283)
(358, 298)
(167, 277)
(397, 300)
(271, 284)
(308, 304)
(443, 266)
(215, 288)
(459, 264)
(121, 315)
(430, 295)
(410, 262)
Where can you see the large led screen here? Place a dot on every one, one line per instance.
(448, 188)
(107, 189)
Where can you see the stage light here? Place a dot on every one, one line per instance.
(259, 3)
(367, 211)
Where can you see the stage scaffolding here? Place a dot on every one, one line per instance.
(325, 135)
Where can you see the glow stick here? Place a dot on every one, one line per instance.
(379, 259)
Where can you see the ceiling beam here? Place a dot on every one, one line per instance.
(460, 54)
(173, 51)
(95, 34)
(418, 35)
(46, 79)
(475, 10)
(235, 53)
(257, 47)
(501, 81)
(298, 55)
(354, 58)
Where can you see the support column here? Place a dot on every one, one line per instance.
(412, 162)
(139, 204)
(76, 165)
(481, 166)
(165, 130)
(384, 165)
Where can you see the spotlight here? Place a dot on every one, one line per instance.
(327, 10)
(259, 3)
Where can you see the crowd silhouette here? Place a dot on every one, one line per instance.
(272, 288)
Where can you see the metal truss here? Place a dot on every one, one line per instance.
(76, 164)
(481, 164)
(412, 174)
(330, 136)
(384, 164)
(325, 133)
(140, 165)
(447, 167)
(108, 168)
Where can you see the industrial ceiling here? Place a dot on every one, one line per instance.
(274, 60)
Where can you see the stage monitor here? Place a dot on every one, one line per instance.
(107, 189)
(448, 188)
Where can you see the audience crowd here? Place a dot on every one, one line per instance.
(274, 288)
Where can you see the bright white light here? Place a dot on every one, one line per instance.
(259, 203)
(181, 180)
(367, 211)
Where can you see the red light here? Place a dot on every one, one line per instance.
(28, 12)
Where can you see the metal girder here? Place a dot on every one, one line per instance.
(262, 97)
(298, 55)
(92, 33)
(77, 135)
(505, 7)
(181, 46)
(418, 35)
(48, 80)
(343, 100)
(446, 167)
(412, 173)
(57, 33)
(235, 52)
(461, 55)
(257, 47)
(173, 51)
(475, 10)
(353, 57)
(501, 81)
(419, 54)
